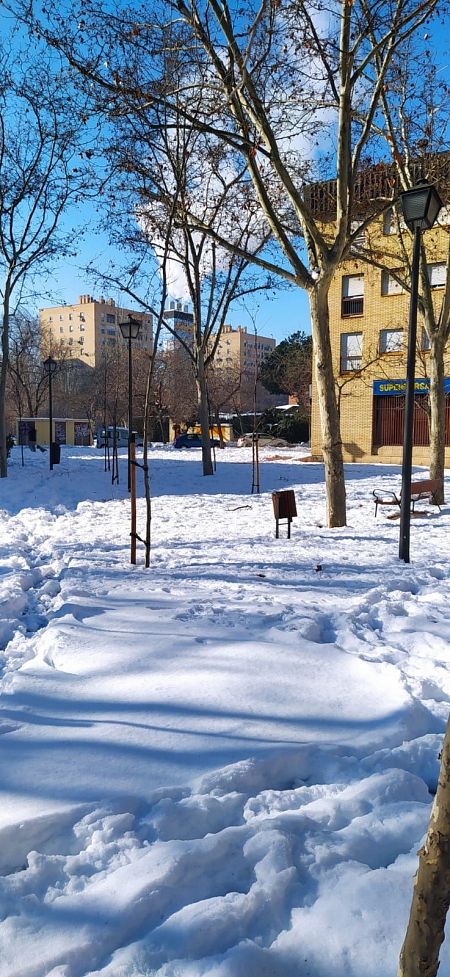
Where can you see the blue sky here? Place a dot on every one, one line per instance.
(278, 316)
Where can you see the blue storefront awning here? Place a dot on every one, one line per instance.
(392, 388)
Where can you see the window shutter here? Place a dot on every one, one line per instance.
(352, 286)
(437, 273)
(359, 240)
(389, 286)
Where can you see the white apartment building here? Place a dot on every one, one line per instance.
(89, 327)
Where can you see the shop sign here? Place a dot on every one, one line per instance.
(390, 388)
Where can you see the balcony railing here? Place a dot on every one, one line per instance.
(352, 306)
(350, 363)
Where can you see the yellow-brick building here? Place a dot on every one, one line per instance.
(369, 324)
(88, 328)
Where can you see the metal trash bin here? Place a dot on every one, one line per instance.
(284, 507)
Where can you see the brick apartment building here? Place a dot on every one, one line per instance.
(89, 327)
(369, 325)
(242, 350)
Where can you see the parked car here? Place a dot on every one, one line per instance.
(188, 440)
(264, 441)
(121, 436)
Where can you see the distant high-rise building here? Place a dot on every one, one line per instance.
(87, 329)
(181, 323)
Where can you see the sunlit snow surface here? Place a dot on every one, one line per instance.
(221, 766)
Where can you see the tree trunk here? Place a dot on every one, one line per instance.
(219, 426)
(419, 956)
(437, 413)
(329, 415)
(203, 414)
(3, 378)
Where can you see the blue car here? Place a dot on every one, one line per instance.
(192, 441)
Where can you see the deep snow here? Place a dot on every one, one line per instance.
(221, 766)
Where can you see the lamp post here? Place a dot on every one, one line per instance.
(420, 206)
(50, 366)
(130, 330)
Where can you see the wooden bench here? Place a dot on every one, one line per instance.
(426, 488)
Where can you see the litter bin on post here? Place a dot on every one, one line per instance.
(55, 453)
(284, 507)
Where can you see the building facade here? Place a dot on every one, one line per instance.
(242, 351)
(181, 322)
(88, 328)
(31, 431)
(369, 311)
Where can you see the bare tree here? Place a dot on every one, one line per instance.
(180, 172)
(224, 386)
(27, 383)
(285, 80)
(40, 175)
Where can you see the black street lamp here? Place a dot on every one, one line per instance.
(420, 207)
(50, 366)
(130, 330)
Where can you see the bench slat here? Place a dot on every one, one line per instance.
(425, 488)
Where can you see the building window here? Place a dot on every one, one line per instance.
(61, 318)
(388, 222)
(437, 274)
(351, 351)
(82, 327)
(391, 340)
(81, 341)
(425, 339)
(110, 317)
(359, 241)
(352, 295)
(70, 328)
(444, 216)
(70, 315)
(389, 285)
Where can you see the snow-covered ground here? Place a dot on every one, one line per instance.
(221, 766)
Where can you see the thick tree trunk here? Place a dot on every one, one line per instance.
(329, 415)
(437, 413)
(3, 378)
(431, 898)
(203, 415)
